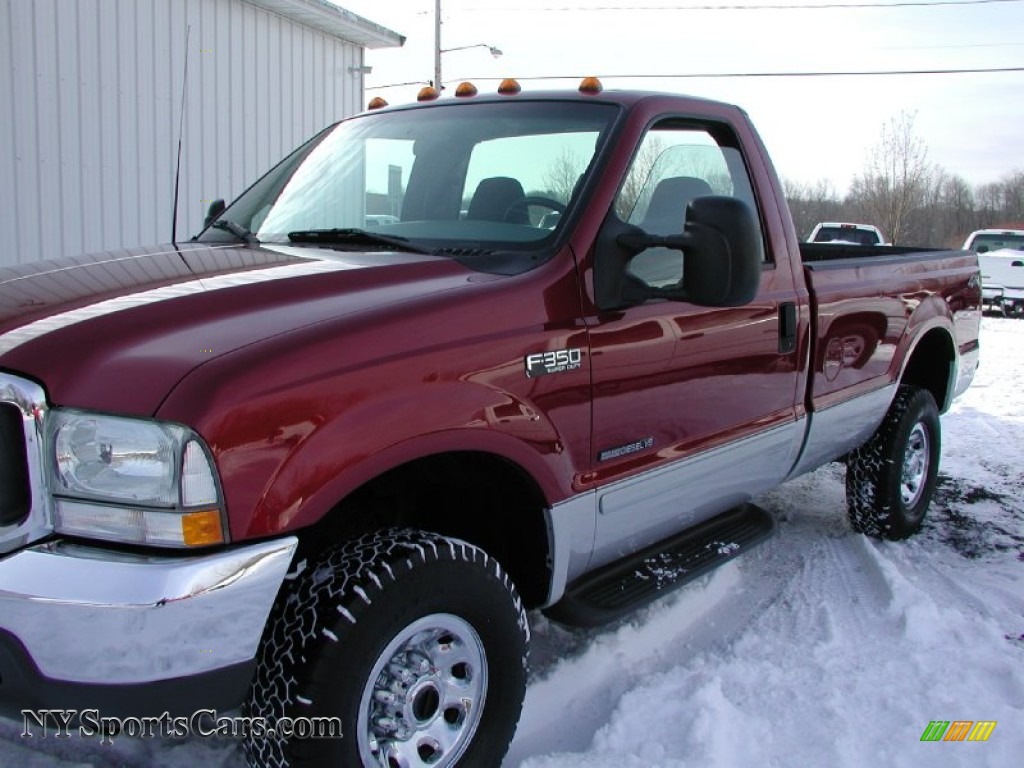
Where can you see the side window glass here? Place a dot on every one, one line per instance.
(676, 162)
(526, 180)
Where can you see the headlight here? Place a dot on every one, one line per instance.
(132, 480)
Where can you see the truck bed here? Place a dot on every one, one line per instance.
(815, 253)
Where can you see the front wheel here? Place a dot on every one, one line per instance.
(891, 478)
(416, 642)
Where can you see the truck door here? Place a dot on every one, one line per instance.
(693, 408)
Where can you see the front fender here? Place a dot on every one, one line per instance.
(439, 418)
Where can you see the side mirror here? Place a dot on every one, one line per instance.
(217, 207)
(721, 241)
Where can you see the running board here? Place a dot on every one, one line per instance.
(614, 590)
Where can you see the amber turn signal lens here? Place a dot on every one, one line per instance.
(509, 87)
(591, 85)
(427, 93)
(466, 89)
(199, 529)
(376, 103)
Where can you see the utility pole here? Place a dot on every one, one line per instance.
(437, 45)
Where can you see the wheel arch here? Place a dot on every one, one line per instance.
(482, 497)
(931, 365)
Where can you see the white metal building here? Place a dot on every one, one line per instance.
(91, 95)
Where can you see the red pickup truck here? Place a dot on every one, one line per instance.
(321, 459)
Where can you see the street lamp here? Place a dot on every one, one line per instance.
(438, 50)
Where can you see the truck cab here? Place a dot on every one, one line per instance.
(847, 233)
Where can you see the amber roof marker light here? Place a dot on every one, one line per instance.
(591, 85)
(427, 93)
(465, 89)
(377, 103)
(509, 87)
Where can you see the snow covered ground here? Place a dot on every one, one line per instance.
(820, 648)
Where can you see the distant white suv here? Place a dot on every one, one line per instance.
(846, 233)
(1001, 258)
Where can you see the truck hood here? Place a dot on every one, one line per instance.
(118, 330)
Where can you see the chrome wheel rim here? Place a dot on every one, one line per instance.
(423, 699)
(916, 462)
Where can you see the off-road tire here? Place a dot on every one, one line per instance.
(364, 605)
(891, 478)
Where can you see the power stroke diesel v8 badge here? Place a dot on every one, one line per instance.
(555, 361)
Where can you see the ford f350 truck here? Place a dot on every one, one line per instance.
(321, 459)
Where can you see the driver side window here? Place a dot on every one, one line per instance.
(525, 179)
(676, 162)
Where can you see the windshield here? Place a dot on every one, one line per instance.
(457, 177)
(997, 242)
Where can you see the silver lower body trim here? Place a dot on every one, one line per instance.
(571, 527)
(965, 370)
(89, 615)
(838, 429)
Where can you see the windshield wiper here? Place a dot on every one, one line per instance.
(236, 229)
(354, 237)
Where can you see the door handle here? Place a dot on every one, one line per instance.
(787, 327)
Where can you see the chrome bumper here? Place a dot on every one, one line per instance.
(89, 615)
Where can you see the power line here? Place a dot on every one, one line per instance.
(695, 75)
(864, 73)
(742, 6)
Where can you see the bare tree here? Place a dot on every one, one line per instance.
(639, 173)
(811, 203)
(562, 175)
(896, 179)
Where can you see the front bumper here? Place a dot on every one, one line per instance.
(80, 621)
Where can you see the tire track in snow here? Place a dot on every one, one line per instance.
(579, 676)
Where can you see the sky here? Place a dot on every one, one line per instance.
(820, 647)
(815, 128)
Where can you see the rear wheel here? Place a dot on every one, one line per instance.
(891, 478)
(416, 642)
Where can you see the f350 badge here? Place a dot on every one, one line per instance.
(555, 361)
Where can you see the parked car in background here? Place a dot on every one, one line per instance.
(1001, 258)
(985, 240)
(847, 233)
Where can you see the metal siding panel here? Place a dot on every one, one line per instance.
(8, 210)
(268, 104)
(144, 210)
(128, 119)
(47, 113)
(349, 93)
(232, 137)
(91, 127)
(252, 103)
(308, 93)
(93, 90)
(163, 136)
(277, 90)
(292, 63)
(110, 133)
(200, 151)
(322, 75)
(220, 70)
(179, 37)
(69, 212)
(26, 151)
